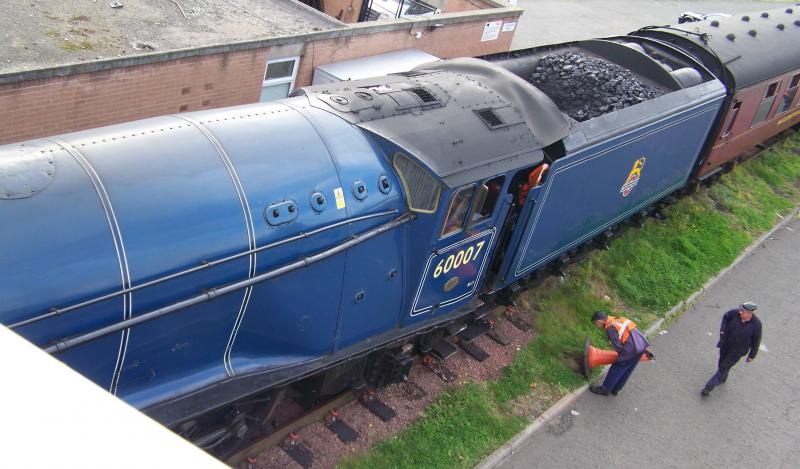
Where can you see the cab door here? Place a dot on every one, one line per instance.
(459, 252)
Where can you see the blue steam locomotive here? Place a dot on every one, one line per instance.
(196, 263)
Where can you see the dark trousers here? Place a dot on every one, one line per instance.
(619, 373)
(724, 365)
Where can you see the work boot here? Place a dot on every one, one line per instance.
(598, 390)
(705, 392)
(614, 392)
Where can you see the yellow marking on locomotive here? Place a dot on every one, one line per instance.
(633, 177)
(339, 194)
(462, 257)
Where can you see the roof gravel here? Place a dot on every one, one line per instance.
(40, 34)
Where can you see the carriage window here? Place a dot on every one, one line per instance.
(458, 211)
(789, 95)
(484, 206)
(422, 190)
(766, 104)
(771, 90)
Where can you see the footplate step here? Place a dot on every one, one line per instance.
(343, 431)
(473, 331)
(298, 451)
(455, 327)
(376, 406)
(437, 368)
(443, 349)
(495, 335)
(474, 351)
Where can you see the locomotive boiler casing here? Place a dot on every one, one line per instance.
(128, 204)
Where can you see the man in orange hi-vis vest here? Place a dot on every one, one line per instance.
(629, 343)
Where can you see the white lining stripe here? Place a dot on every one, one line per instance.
(119, 247)
(251, 236)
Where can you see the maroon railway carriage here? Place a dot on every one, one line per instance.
(757, 57)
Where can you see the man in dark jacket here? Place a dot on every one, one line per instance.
(739, 335)
(629, 343)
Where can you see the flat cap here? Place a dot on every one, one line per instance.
(748, 306)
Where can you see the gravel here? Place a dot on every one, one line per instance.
(586, 87)
(328, 450)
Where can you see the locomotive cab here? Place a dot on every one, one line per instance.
(456, 134)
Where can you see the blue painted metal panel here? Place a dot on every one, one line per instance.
(288, 162)
(444, 285)
(452, 272)
(292, 318)
(176, 206)
(601, 184)
(372, 289)
(362, 166)
(186, 190)
(53, 257)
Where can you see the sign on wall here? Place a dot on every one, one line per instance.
(491, 30)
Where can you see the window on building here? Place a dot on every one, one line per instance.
(279, 78)
(788, 95)
(730, 119)
(766, 104)
(458, 211)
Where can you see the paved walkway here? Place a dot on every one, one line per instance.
(660, 419)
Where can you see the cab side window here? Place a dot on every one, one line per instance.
(456, 214)
(484, 206)
(422, 190)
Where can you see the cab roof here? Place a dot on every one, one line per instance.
(465, 119)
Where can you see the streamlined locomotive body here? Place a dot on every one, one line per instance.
(190, 263)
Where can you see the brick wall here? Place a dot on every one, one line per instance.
(344, 10)
(452, 40)
(50, 106)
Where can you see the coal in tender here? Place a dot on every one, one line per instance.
(586, 87)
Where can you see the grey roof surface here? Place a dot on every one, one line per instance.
(449, 95)
(39, 34)
(764, 44)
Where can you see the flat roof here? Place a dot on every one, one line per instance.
(40, 34)
(377, 65)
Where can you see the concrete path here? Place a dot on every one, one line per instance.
(660, 419)
(555, 21)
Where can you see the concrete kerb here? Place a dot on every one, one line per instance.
(502, 453)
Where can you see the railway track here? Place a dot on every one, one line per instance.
(444, 363)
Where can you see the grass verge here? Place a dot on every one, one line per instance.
(643, 275)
